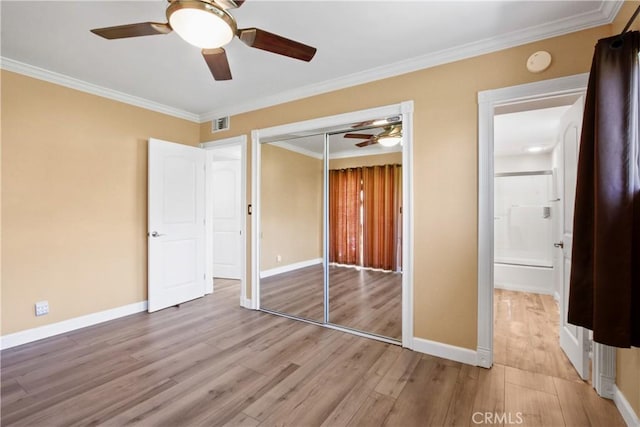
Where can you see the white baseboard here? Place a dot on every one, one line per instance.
(484, 358)
(246, 303)
(556, 296)
(46, 331)
(290, 267)
(446, 351)
(623, 405)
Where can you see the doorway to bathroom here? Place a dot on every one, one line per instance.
(574, 341)
(535, 162)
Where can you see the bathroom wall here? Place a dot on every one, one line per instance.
(522, 163)
(523, 224)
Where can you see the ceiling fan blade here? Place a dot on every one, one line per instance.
(218, 64)
(366, 143)
(358, 135)
(270, 42)
(132, 30)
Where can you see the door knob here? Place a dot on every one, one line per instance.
(559, 245)
(155, 234)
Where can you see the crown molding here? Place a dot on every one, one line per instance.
(73, 83)
(604, 15)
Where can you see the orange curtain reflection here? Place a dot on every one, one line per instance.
(365, 216)
(382, 217)
(344, 215)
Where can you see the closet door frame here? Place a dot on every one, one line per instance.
(330, 123)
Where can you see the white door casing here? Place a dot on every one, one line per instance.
(604, 361)
(574, 340)
(227, 214)
(176, 229)
(488, 101)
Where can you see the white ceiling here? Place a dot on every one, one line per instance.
(513, 133)
(357, 41)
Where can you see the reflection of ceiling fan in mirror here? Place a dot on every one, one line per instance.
(207, 25)
(391, 136)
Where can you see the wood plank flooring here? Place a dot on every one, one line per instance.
(526, 334)
(365, 300)
(210, 362)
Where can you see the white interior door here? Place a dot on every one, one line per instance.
(226, 181)
(176, 232)
(574, 340)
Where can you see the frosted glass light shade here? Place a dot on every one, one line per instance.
(201, 28)
(389, 141)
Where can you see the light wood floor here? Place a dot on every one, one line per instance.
(526, 334)
(210, 362)
(366, 300)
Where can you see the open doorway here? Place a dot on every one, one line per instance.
(535, 163)
(226, 217)
(573, 340)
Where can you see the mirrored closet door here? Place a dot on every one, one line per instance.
(365, 233)
(291, 227)
(330, 223)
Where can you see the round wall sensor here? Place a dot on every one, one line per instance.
(539, 61)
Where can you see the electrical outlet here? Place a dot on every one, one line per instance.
(42, 308)
(278, 258)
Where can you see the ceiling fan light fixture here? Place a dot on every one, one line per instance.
(390, 137)
(389, 141)
(201, 24)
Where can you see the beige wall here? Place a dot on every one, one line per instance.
(291, 208)
(74, 186)
(628, 376)
(373, 160)
(74, 200)
(445, 164)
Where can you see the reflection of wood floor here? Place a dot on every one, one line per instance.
(211, 362)
(526, 334)
(369, 301)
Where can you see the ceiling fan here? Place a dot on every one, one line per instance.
(208, 25)
(390, 136)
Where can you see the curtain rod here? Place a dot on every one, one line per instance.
(633, 18)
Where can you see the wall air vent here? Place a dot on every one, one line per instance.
(221, 123)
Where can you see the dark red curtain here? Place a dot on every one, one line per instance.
(605, 274)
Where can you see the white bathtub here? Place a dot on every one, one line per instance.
(523, 278)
